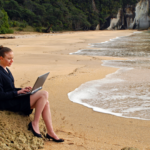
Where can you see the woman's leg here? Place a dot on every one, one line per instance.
(38, 101)
(46, 114)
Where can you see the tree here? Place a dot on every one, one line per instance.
(63, 14)
(4, 26)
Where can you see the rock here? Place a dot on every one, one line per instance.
(97, 27)
(129, 148)
(7, 37)
(117, 23)
(129, 16)
(106, 24)
(142, 20)
(14, 134)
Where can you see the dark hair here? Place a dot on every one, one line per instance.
(4, 50)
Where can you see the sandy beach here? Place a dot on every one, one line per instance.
(81, 127)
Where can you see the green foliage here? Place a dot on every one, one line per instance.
(1, 4)
(4, 30)
(62, 14)
(38, 29)
(23, 24)
(20, 29)
(4, 26)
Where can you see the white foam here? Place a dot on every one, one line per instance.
(75, 52)
(97, 109)
(137, 32)
(119, 93)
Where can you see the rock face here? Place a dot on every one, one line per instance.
(97, 27)
(132, 17)
(142, 20)
(117, 23)
(129, 16)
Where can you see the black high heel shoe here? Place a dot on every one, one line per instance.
(31, 128)
(49, 137)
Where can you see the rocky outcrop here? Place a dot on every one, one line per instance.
(7, 37)
(129, 15)
(106, 24)
(14, 134)
(142, 20)
(117, 23)
(97, 27)
(132, 17)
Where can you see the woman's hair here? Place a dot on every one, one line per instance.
(4, 50)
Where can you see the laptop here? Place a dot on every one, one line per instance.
(37, 85)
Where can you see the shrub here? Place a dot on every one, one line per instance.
(20, 29)
(23, 24)
(16, 24)
(4, 30)
(4, 25)
(38, 29)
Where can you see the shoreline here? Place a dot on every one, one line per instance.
(71, 121)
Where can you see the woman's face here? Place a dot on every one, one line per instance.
(7, 60)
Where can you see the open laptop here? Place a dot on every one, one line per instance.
(37, 85)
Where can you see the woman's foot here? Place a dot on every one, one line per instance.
(30, 127)
(54, 137)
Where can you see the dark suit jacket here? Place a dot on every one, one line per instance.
(7, 88)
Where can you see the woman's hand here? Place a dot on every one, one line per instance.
(29, 88)
(24, 90)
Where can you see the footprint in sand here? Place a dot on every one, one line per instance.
(63, 118)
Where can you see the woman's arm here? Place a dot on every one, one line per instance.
(17, 89)
(6, 95)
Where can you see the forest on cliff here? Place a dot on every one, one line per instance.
(57, 14)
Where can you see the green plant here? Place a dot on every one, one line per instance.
(23, 24)
(4, 30)
(16, 24)
(38, 29)
(20, 29)
(4, 25)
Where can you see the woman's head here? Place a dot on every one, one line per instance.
(6, 56)
(4, 50)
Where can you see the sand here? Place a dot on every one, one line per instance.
(81, 127)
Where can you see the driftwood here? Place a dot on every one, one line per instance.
(7, 37)
(48, 30)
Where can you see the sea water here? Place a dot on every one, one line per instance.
(125, 93)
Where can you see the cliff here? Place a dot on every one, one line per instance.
(118, 22)
(142, 20)
(132, 17)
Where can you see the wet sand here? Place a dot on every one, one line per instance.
(81, 127)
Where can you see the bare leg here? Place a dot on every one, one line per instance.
(46, 114)
(38, 101)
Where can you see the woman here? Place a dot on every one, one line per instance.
(24, 104)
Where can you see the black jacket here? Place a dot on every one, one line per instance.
(7, 88)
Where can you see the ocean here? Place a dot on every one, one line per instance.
(125, 93)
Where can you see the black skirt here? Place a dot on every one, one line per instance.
(17, 104)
